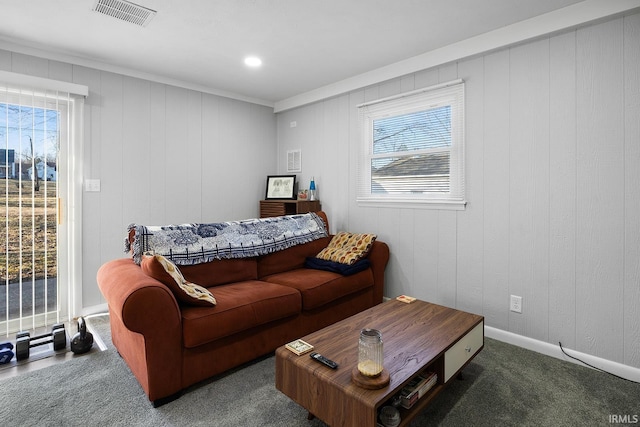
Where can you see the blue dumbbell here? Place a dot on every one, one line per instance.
(5, 352)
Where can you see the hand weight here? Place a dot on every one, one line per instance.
(24, 341)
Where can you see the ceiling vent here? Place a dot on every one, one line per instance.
(125, 11)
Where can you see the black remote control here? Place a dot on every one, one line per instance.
(320, 358)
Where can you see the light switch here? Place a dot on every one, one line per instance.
(92, 185)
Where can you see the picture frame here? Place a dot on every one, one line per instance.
(281, 187)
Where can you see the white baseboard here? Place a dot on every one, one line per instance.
(552, 350)
(95, 310)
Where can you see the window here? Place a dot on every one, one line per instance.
(413, 148)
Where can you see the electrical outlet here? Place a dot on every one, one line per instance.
(516, 304)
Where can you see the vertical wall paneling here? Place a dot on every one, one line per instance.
(496, 189)
(329, 181)
(470, 231)
(240, 120)
(389, 226)
(447, 257)
(562, 189)
(390, 88)
(60, 71)
(448, 72)
(157, 157)
(177, 160)
(407, 83)
(320, 115)
(354, 147)
(136, 174)
(228, 148)
(193, 152)
(337, 207)
(600, 191)
(262, 147)
(112, 164)
(30, 65)
(631, 307)
(425, 255)
(426, 78)
(211, 162)
(329, 129)
(91, 168)
(529, 187)
(404, 280)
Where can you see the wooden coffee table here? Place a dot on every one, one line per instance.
(416, 336)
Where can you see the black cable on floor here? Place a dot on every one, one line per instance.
(595, 367)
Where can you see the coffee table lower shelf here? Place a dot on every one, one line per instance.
(417, 337)
(407, 415)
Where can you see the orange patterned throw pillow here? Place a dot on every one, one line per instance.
(164, 270)
(347, 248)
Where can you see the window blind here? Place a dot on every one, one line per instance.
(40, 132)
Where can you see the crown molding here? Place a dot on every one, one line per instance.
(103, 66)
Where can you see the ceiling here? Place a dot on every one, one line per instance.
(304, 44)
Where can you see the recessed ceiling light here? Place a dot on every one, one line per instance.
(253, 61)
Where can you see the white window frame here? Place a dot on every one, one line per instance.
(451, 93)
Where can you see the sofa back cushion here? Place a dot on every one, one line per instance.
(291, 258)
(219, 272)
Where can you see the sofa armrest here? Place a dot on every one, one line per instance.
(146, 326)
(379, 257)
(141, 302)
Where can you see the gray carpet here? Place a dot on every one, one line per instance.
(503, 386)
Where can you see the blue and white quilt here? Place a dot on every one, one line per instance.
(190, 244)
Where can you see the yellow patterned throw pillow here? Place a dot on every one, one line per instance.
(347, 248)
(168, 273)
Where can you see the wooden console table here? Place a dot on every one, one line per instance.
(269, 208)
(416, 336)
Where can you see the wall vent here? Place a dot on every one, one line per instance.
(125, 11)
(294, 161)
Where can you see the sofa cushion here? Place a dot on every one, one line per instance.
(241, 306)
(320, 287)
(347, 248)
(291, 258)
(219, 272)
(165, 271)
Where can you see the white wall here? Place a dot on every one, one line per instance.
(162, 154)
(553, 189)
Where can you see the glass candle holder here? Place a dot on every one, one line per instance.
(370, 353)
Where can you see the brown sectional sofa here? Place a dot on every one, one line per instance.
(262, 303)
